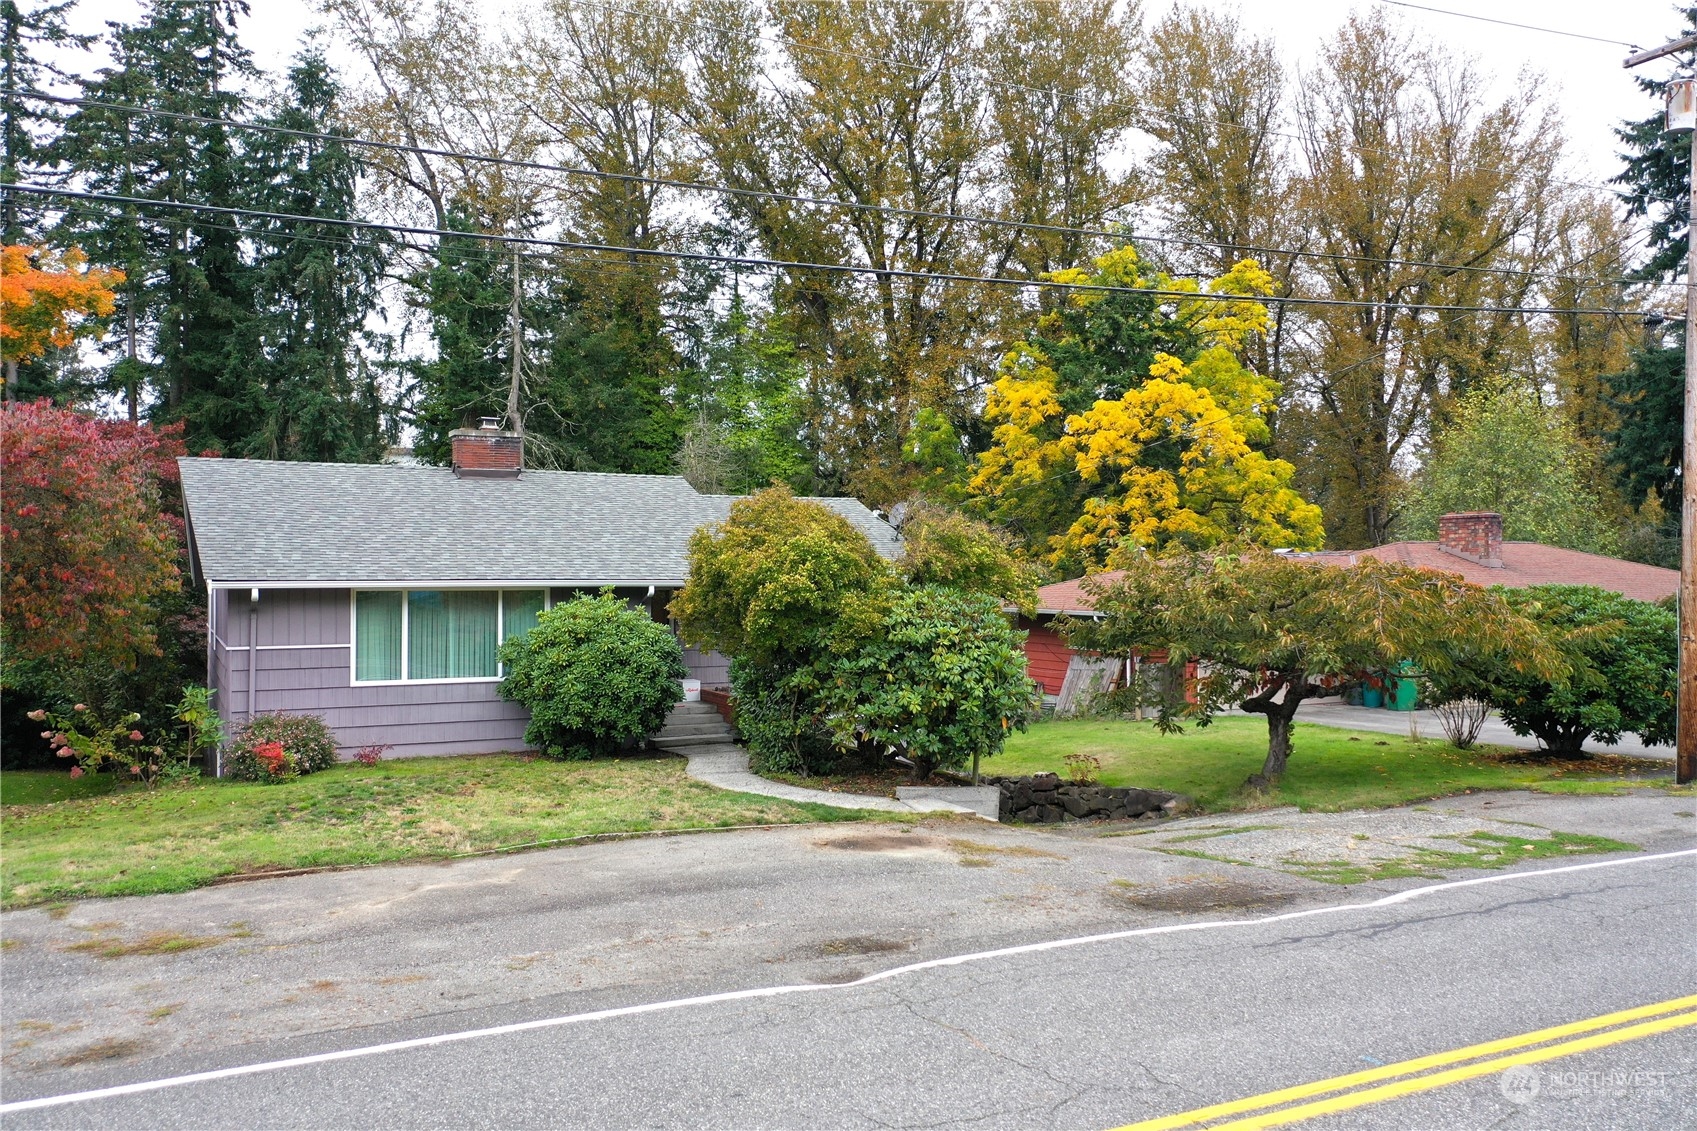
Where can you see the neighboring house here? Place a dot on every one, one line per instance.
(1468, 544)
(376, 595)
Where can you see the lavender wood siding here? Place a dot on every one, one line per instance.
(713, 669)
(305, 666)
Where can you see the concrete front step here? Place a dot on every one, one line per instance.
(687, 708)
(680, 742)
(693, 725)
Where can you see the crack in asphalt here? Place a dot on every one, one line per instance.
(1375, 930)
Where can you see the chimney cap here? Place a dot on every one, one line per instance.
(489, 423)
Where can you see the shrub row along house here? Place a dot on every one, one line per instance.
(376, 595)
(1468, 544)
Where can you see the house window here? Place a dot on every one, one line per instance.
(438, 634)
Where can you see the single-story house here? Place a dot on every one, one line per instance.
(376, 595)
(1469, 544)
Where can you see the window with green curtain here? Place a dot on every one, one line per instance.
(519, 610)
(451, 633)
(377, 635)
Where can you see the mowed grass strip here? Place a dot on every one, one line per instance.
(137, 842)
(1331, 769)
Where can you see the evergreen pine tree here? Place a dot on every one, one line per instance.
(302, 393)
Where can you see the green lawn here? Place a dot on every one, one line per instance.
(136, 842)
(1330, 768)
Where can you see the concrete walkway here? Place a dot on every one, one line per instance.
(1330, 713)
(725, 765)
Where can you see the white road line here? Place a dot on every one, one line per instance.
(780, 991)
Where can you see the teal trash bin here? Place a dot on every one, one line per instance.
(1372, 696)
(1402, 689)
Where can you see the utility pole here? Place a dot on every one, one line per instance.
(515, 323)
(1682, 118)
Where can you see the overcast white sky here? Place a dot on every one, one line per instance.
(1596, 93)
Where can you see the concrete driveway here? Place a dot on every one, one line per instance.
(1331, 713)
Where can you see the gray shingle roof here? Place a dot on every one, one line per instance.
(259, 522)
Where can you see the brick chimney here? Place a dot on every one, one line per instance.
(487, 452)
(1475, 535)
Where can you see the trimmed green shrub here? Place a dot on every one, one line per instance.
(276, 746)
(779, 722)
(594, 673)
(944, 681)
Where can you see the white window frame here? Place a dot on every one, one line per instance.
(406, 625)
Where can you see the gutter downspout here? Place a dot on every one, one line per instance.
(252, 649)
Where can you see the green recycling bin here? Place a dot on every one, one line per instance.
(1402, 689)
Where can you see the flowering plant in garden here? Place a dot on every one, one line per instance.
(275, 747)
(274, 759)
(97, 745)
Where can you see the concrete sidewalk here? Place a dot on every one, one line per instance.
(725, 765)
(1330, 713)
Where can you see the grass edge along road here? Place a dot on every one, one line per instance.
(1414, 1076)
(171, 839)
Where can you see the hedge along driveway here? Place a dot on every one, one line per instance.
(136, 842)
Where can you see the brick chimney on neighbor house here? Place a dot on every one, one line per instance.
(1475, 535)
(487, 452)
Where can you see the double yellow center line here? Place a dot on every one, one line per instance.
(1341, 1093)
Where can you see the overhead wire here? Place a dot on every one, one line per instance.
(803, 266)
(823, 202)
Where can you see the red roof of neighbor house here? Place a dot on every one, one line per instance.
(1533, 563)
(1524, 564)
(1069, 596)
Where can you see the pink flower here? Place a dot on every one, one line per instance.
(46, 734)
(80, 707)
(135, 736)
(76, 771)
(135, 769)
(38, 715)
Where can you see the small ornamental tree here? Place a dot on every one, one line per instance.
(943, 683)
(594, 673)
(1624, 656)
(89, 557)
(1271, 631)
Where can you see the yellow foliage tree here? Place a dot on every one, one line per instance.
(46, 300)
(1129, 421)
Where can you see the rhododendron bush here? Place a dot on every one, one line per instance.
(88, 553)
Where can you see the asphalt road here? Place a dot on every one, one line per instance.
(1218, 983)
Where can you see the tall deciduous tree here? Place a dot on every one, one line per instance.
(1128, 420)
(1061, 101)
(1408, 169)
(1506, 451)
(877, 104)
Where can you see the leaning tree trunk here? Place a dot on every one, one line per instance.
(1280, 714)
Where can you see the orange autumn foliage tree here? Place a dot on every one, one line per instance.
(47, 300)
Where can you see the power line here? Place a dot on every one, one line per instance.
(795, 265)
(822, 202)
(1507, 23)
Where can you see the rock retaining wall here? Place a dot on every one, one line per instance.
(1045, 799)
